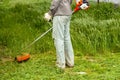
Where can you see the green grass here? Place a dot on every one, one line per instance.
(95, 30)
(20, 25)
(42, 67)
(95, 36)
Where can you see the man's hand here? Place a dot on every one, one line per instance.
(84, 6)
(47, 17)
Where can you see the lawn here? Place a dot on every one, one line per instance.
(42, 67)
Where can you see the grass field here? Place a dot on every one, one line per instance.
(95, 36)
(42, 67)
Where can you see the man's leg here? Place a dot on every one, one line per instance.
(58, 36)
(69, 54)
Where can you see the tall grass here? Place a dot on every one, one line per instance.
(20, 25)
(95, 30)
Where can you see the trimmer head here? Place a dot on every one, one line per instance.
(23, 57)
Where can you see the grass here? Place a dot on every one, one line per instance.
(22, 22)
(42, 67)
(95, 36)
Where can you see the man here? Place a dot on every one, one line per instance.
(61, 12)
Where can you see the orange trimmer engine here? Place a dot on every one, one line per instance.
(79, 3)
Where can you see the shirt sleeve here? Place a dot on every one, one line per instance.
(70, 1)
(54, 5)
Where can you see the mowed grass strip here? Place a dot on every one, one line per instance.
(42, 67)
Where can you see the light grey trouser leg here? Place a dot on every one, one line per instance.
(69, 54)
(62, 41)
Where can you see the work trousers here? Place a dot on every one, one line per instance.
(62, 41)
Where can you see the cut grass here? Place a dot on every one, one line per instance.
(42, 67)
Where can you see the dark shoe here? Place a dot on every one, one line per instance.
(69, 66)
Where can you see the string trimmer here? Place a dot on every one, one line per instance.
(26, 56)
